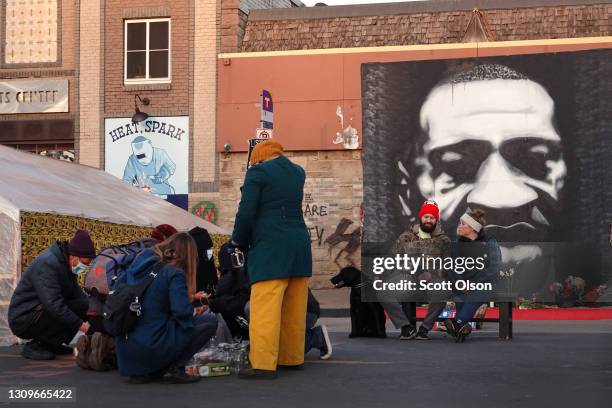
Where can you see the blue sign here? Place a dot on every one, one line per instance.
(267, 109)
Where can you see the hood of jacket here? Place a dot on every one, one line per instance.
(141, 266)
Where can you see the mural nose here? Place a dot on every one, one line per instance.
(498, 185)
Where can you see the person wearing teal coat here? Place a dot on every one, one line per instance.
(270, 226)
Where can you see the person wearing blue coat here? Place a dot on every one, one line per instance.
(167, 334)
(270, 226)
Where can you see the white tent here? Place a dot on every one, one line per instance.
(34, 183)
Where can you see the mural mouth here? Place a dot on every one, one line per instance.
(519, 231)
(516, 224)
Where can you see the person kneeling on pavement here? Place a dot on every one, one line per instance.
(167, 333)
(48, 306)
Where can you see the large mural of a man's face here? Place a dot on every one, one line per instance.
(523, 137)
(490, 142)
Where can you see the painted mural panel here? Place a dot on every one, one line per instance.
(152, 155)
(526, 138)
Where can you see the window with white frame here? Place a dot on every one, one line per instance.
(147, 51)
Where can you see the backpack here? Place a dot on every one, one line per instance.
(106, 267)
(123, 304)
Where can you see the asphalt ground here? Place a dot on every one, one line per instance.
(547, 364)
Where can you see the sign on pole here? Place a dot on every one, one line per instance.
(263, 133)
(267, 110)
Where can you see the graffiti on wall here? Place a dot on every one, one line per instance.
(503, 135)
(351, 241)
(206, 210)
(349, 136)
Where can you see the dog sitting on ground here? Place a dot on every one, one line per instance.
(367, 318)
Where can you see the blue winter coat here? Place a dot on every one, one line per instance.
(270, 221)
(166, 325)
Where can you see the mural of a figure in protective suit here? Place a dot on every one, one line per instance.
(149, 168)
(504, 135)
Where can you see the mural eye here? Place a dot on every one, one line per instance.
(530, 155)
(540, 149)
(459, 161)
(448, 157)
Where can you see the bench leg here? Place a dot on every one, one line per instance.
(505, 320)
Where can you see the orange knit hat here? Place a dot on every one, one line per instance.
(265, 150)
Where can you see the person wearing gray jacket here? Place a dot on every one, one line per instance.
(48, 306)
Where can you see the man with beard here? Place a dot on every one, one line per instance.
(490, 141)
(425, 239)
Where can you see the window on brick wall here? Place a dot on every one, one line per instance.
(147, 51)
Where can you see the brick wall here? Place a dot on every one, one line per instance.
(426, 28)
(64, 69)
(166, 100)
(91, 68)
(204, 91)
(333, 193)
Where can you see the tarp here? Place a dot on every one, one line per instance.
(30, 182)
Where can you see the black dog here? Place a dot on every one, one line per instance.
(367, 318)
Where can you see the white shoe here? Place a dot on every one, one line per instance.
(326, 350)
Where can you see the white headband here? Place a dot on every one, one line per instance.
(476, 226)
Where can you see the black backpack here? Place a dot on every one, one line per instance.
(123, 305)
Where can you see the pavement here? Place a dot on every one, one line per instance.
(547, 364)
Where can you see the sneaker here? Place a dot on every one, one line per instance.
(422, 334)
(463, 332)
(326, 348)
(177, 375)
(451, 327)
(408, 332)
(60, 349)
(299, 367)
(255, 374)
(36, 350)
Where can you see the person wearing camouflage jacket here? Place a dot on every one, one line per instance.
(425, 239)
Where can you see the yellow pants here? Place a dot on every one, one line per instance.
(277, 324)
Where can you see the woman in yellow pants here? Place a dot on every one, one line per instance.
(269, 223)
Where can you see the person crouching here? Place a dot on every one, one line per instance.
(167, 334)
(48, 306)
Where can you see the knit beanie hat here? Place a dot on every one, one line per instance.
(81, 245)
(265, 150)
(162, 232)
(430, 207)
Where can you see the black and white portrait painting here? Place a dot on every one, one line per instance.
(526, 138)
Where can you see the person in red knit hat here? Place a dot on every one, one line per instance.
(162, 232)
(424, 238)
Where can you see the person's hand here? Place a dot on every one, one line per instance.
(201, 296)
(84, 327)
(199, 310)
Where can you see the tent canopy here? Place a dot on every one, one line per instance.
(31, 182)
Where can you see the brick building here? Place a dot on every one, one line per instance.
(82, 65)
(78, 66)
(309, 58)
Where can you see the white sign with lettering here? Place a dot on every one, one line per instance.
(33, 96)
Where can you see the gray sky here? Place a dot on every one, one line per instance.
(339, 2)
